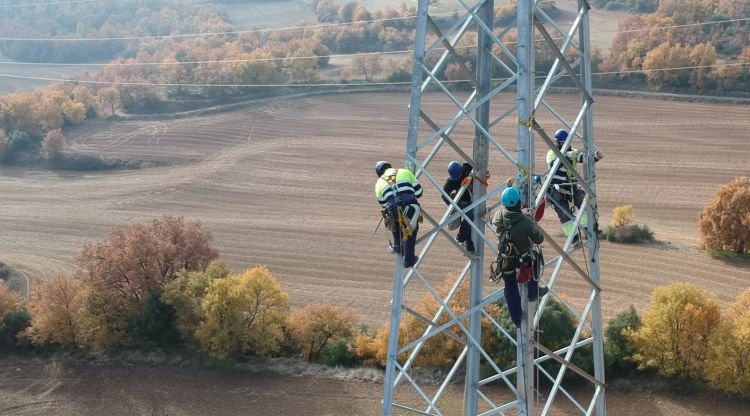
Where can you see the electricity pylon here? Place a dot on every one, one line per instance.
(495, 65)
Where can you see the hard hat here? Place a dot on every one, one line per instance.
(381, 167)
(510, 197)
(561, 135)
(455, 170)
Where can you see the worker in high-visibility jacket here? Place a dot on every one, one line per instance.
(397, 191)
(564, 188)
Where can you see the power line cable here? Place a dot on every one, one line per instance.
(80, 81)
(198, 35)
(17, 6)
(88, 64)
(324, 25)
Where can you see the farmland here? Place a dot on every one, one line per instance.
(287, 183)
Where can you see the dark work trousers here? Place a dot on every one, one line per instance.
(513, 296)
(464, 230)
(561, 203)
(404, 248)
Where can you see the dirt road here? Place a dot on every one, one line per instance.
(48, 387)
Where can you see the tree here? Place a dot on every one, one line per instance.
(82, 95)
(13, 325)
(259, 68)
(133, 261)
(58, 307)
(156, 325)
(703, 56)
(725, 221)
(368, 65)
(9, 301)
(314, 326)
(728, 364)
(54, 143)
(74, 112)
(617, 349)
(243, 314)
(666, 56)
(301, 66)
(674, 337)
(109, 98)
(438, 351)
(185, 294)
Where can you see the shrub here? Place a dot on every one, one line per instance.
(617, 348)
(9, 301)
(314, 326)
(373, 350)
(725, 220)
(676, 329)
(622, 215)
(5, 271)
(728, 363)
(243, 314)
(58, 307)
(339, 354)
(185, 294)
(622, 229)
(156, 325)
(19, 142)
(54, 143)
(555, 331)
(13, 325)
(630, 234)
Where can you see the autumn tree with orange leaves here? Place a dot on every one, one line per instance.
(725, 220)
(9, 301)
(315, 326)
(53, 145)
(58, 308)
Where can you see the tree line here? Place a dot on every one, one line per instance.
(161, 285)
(642, 45)
(125, 18)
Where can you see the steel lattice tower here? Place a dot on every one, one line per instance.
(498, 71)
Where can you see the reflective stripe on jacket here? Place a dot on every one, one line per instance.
(397, 186)
(562, 175)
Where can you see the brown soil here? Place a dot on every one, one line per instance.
(289, 185)
(48, 387)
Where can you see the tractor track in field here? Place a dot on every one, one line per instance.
(288, 184)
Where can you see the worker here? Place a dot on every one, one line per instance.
(519, 259)
(564, 188)
(460, 175)
(397, 192)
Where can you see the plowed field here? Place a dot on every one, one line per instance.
(288, 184)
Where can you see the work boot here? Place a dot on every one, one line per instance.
(407, 265)
(542, 292)
(394, 249)
(470, 246)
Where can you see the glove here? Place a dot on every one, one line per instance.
(509, 183)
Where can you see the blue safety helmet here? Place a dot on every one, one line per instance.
(455, 170)
(561, 135)
(381, 167)
(511, 197)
